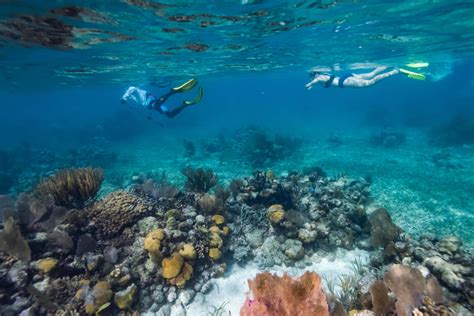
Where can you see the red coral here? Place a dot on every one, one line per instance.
(274, 295)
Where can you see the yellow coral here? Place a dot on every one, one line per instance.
(216, 241)
(214, 229)
(101, 294)
(152, 241)
(124, 299)
(171, 266)
(188, 252)
(214, 253)
(183, 276)
(47, 264)
(270, 174)
(225, 230)
(275, 213)
(218, 219)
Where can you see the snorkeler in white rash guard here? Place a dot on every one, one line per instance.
(350, 80)
(149, 101)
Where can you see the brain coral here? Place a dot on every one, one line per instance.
(116, 211)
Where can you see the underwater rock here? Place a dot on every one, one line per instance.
(124, 299)
(111, 254)
(449, 245)
(293, 249)
(382, 229)
(186, 296)
(147, 224)
(85, 243)
(451, 274)
(60, 239)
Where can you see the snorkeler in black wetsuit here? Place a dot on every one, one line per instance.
(149, 101)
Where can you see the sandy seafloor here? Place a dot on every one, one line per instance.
(420, 196)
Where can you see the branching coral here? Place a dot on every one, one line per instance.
(118, 210)
(13, 242)
(274, 295)
(199, 180)
(72, 187)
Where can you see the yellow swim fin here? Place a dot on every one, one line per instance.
(188, 85)
(197, 99)
(413, 75)
(418, 65)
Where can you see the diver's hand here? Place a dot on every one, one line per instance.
(310, 84)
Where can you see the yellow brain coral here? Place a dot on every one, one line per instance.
(47, 264)
(218, 219)
(188, 252)
(214, 253)
(275, 213)
(171, 266)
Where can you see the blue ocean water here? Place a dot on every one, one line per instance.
(66, 64)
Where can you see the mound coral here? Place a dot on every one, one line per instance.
(176, 270)
(72, 187)
(274, 295)
(13, 242)
(199, 180)
(215, 253)
(118, 210)
(275, 213)
(47, 264)
(188, 252)
(171, 266)
(152, 244)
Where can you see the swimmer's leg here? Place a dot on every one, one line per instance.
(371, 74)
(357, 82)
(172, 113)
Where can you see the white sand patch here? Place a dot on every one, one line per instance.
(230, 291)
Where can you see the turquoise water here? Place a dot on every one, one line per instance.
(65, 65)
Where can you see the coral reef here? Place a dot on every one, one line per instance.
(274, 295)
(72, 187)
(458, 130)
(138, 250)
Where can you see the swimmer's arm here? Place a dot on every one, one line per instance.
(313, 82)
(129, 94)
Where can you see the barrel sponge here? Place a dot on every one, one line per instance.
(172, 266)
